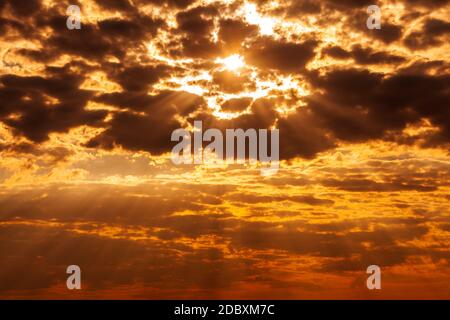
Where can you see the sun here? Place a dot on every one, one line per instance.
(232, 63)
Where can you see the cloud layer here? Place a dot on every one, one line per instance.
(86, 118)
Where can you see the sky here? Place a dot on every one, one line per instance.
(86, 177)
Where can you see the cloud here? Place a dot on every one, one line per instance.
(149, 131)
(137, 77)
(234, 32)
(230, 82)
(38, 116)
(364, 185)
(280, 55)
(85, 123)
(431, 35)
(236, 105)
(363, 56)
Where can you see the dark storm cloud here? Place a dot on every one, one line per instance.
(262, 116)
(95, 41)
(233, 33)
(428, 36)
(113, 5)
(137, 77)
(9, 24)
(195, 27)
(388, 33)
(150, 131)
(336, 52)
(426, 3)
(295, 7)
(197, 21)
(131, 29)
(283, 56)
(390, 102)
(345, 4)
(22, 8)
(198, 47)
(363, 56)
(16, 18)
(358, 105)
(134, 100)
(26, 96)
(88, 43)
(431, 34)
(301, 136)
(236, 105)
(58, 153)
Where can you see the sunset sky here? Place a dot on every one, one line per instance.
(86, 178)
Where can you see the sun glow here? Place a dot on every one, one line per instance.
(232, 63)
(266, 25)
